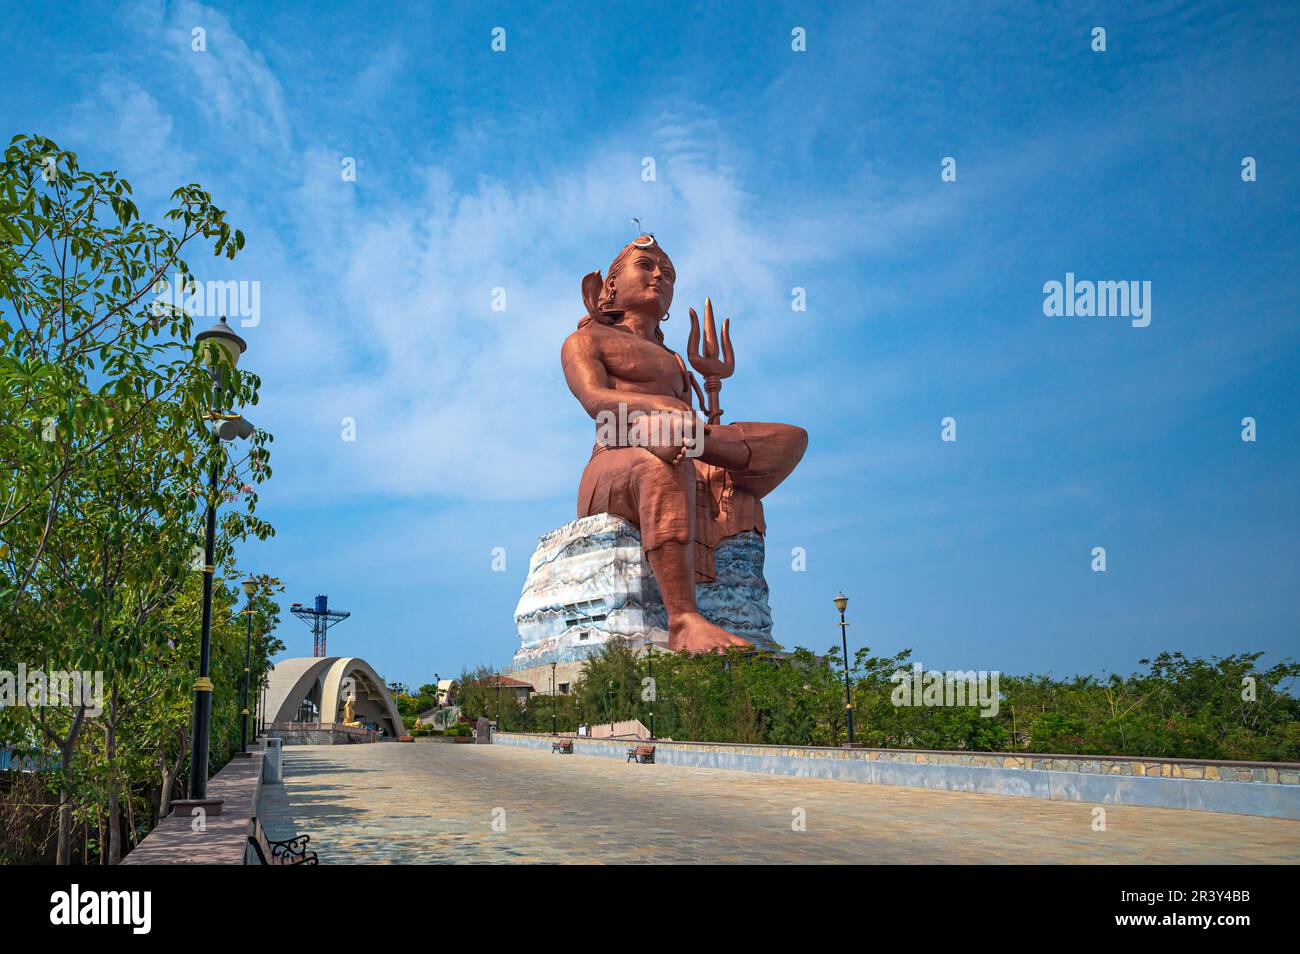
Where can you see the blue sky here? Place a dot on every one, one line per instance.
(775, 169)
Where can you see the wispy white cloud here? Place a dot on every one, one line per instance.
(228, 80)
(453, 398)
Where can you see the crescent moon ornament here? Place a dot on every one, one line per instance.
(648, 236)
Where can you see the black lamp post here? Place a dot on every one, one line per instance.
(650, 662)
(250, 588)
(498, 699)
(218, 338)
(553, 699)
(841, 604)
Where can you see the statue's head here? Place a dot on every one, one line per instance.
(640, 279)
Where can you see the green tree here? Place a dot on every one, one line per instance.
(104, 445)
(1228, 707)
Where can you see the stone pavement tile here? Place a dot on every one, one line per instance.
(404, 803)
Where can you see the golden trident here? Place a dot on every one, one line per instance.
(708, 364)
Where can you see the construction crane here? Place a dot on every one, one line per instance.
(320, 618)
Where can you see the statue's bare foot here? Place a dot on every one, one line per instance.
(692, 633)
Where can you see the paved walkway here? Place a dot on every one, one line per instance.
(421, 803)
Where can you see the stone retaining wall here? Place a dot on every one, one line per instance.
(221, 839)
(466, 740)
(1243, 788)
(320, 734)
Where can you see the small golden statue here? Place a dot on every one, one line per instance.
(350, 715)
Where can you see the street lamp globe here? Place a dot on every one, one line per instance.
(841, 601)
(250, 585)
(222, 335)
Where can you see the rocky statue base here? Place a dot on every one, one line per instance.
(589, 583)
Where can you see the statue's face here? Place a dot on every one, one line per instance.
(646, 282)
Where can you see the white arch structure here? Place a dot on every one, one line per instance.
(332, 681)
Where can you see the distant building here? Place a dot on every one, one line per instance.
(518, 688)
(446, 692)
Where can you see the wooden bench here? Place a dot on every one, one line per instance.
(645, 754)
(563, 746)
(291, 852)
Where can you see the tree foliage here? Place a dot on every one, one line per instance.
(1176, 707)
(105, 457)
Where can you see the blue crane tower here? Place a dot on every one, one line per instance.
(320, 618)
